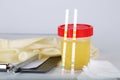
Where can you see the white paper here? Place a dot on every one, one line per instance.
(35, 63)
(100, 70)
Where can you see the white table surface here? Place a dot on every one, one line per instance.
(97, 70)
(55, 74)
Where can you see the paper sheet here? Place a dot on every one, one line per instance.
(35, 63)
(99, 70)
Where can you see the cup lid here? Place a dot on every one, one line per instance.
(82, 30)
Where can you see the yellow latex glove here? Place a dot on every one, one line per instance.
(22, 49)
(8, 55)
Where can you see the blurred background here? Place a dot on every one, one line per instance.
(44, 16)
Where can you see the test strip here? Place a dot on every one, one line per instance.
(65, 38)
(74, 41)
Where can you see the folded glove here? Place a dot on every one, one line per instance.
(22, 49)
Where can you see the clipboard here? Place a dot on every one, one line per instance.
(46, 65)
(13, 67)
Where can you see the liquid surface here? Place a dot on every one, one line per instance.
(82, 53)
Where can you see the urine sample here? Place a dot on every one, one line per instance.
(82, 47)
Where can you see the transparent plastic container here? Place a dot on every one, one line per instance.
(82, 48)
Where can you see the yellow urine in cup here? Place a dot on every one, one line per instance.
(82, 53)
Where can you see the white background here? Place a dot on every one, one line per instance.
(44, 16)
